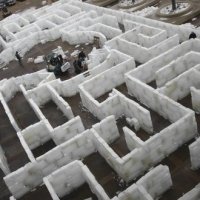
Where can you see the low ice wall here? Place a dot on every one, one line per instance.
(3, 162)
(157, 102)
(107, 129)
(113, 58)
(121, 16)
(105, 81)
(70, 177)
(147, 72)
(132, 109)
(68, 130)
(82, 37)
(157, 181)
(132, 140)
(26, 147)
(145, 154)
(40, 95)
(134, 192)
(107, 31)
(194, 194)
(179, 87)
(108, 20)
(176, 67)
(195, 95)
(158, 147)
(70, 8)
(145, 36)
(97, 57)
(67, 179)
(37, 134)
(194, 154)
(9, 89)
(12, 27)
(29, 81)
(44, 24)
(28, 177)
(142, 54)
(44, 93)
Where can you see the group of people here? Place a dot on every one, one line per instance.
(61, 66)
(57, 61)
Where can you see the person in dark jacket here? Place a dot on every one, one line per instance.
(81, 55)
(192, 35)
(77, 66)
(60, 59)
(19, 58)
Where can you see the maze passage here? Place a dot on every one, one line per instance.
(122, 121)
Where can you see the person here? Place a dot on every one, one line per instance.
(60, 59)
(19, 58)
(192, 35)
(77, 67)
(57, 70)
(81, 55)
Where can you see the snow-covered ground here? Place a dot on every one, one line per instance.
(180, 8)
(125, 3)
(146, 11)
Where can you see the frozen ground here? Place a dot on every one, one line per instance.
(127, 128)
(180, 8)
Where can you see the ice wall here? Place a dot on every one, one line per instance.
(176, 67)
(28, 177)
(70, 177)
(140, 53)
(179, 87)
(43, 94)
(82, 37)
(195, 95)
(157, 181)
(3, 162)
(194, 194)
(121, 16)
(194, 154)
(73, 175)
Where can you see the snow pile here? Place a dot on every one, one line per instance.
(180, 8)
(133, 122)
(146, 11)
(125, 3)
(38, 60)
(44, 3)
(75, 53)
(188, 25)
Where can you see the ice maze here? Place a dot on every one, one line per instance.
(126, 129)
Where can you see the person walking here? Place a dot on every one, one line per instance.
(19, 58)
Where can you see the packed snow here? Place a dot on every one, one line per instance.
(145, 52)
